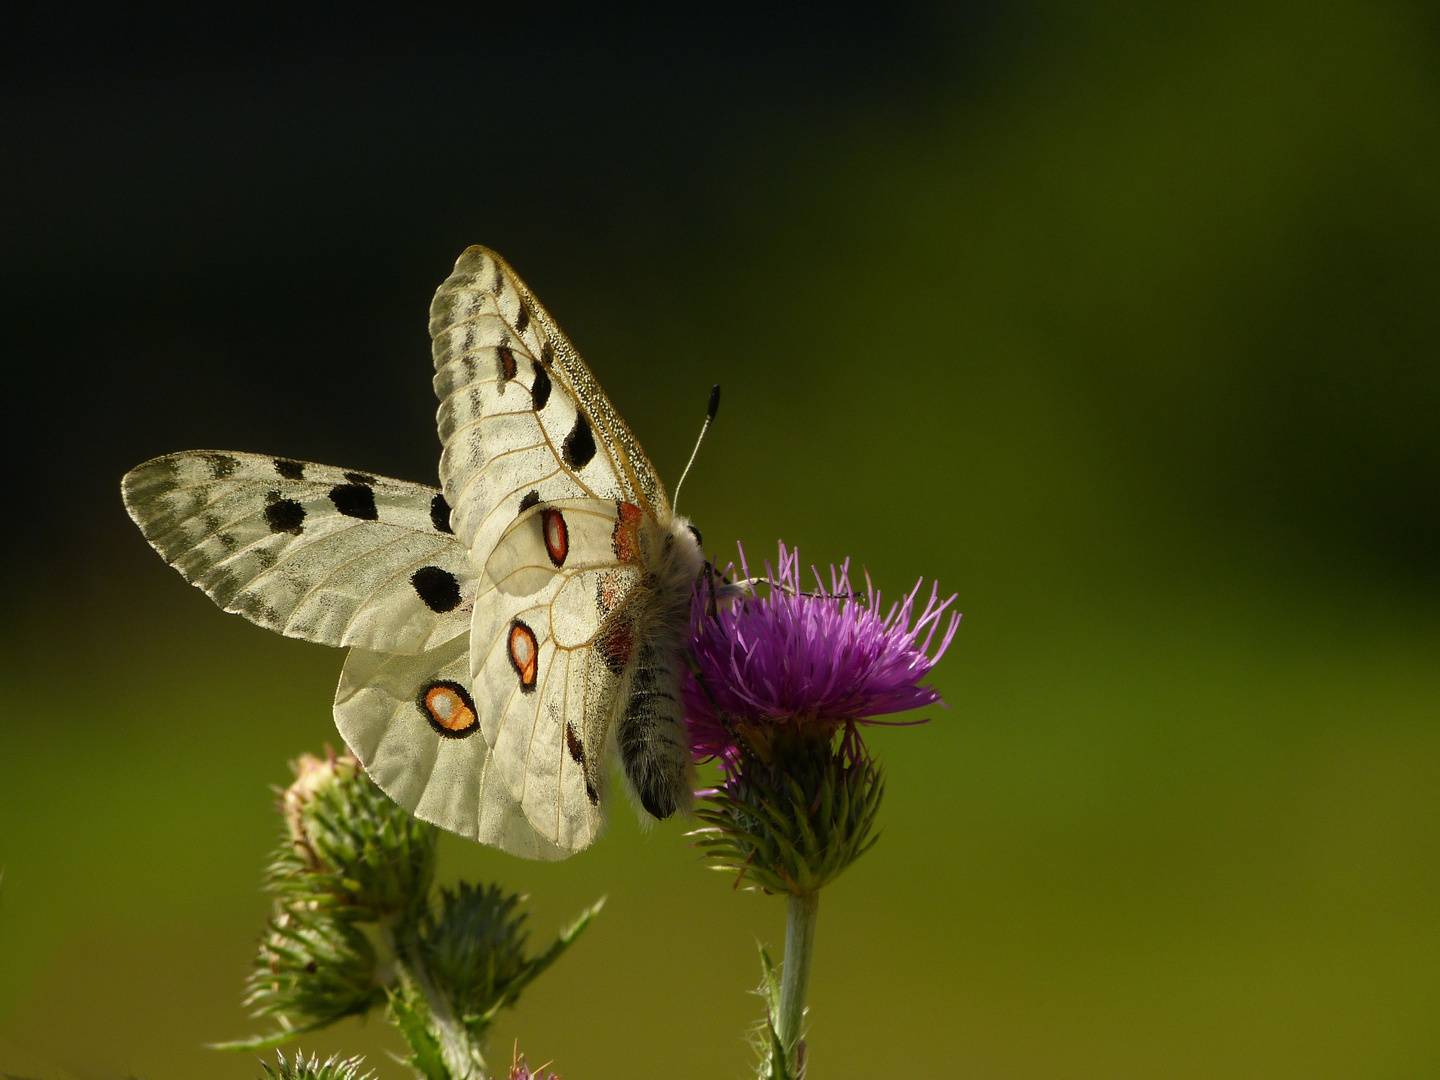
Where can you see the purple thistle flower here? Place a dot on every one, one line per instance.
(827, 657)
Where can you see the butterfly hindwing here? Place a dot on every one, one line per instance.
(413, 725)
(550, 643)
(311, 551)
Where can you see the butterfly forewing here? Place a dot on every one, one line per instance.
(314, 552)
(487, 327)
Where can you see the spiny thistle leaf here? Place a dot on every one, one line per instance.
(271, 1041)
(774, 1062)
(566, 937)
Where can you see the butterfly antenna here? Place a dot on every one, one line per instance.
(710, 412)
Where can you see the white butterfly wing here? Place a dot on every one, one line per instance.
(412, 724)
(311, 551)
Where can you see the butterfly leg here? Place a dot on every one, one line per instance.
(720, 713)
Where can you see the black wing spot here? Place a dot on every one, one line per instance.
(532, 498)
(506, 357)
(440, 514)
(222, 466)
(591, 793)
(522, 317)
(359, 478)
(285, 516)
(355, 500)
(547, 354)
(437, 587)
(573, 744)
(541, 390)
(290, 470)
(579, 444)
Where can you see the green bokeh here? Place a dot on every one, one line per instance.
(1138, 354)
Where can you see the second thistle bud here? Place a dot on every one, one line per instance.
(352, 848)
(312, 775)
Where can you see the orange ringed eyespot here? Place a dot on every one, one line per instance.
(449, 709)
(524, 654)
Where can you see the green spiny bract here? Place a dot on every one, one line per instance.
(794, 822)
(352, 850)
(302, 1068)
(313, 970)
(473, 946)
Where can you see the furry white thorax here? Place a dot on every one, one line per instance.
(680, 564)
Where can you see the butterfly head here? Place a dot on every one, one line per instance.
(684, 551)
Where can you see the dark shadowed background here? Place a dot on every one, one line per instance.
(1122, 323)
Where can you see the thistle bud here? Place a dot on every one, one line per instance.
(312, 774)
(793, 820)
(351, 848)
(312, 1068)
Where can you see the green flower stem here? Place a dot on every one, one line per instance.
(462, 1057)
(800, 912)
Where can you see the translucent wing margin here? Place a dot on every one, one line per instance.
(311, 551)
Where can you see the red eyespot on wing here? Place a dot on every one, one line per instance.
(627, 533)
(524, 654)
(449, 708)
(557, 536)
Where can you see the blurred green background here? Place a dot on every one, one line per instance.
(1121, 321)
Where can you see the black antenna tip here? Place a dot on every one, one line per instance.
(714, 406)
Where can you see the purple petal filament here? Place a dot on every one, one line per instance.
(828, 655)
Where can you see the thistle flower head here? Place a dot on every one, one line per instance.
(775, 679)
(830, 656)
